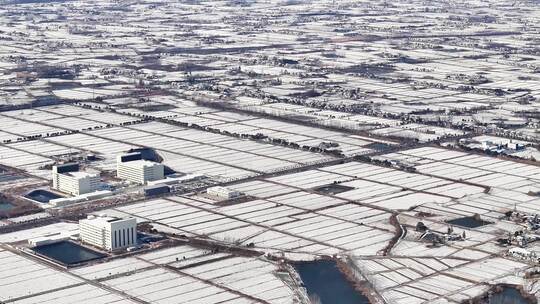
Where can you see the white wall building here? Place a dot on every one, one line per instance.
(48, 239)
(139, 171)
(65, 201)
(109, 233)
(75, 182)
(223, 192)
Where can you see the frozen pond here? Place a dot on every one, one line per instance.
(324, 282)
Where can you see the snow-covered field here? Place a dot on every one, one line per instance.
(276, 98)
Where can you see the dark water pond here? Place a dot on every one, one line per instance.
(333, 189)
(5, 206)
(325, 282)
(378, 146)
(469, 222)
(42, 196)
(7, 177)
(68, 253)
(508, 295)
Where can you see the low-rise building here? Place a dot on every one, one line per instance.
(174, 179)
(515, 146)
(109, 233)
(223, 193)
(158, 189)
(48, 239)
(65, 201)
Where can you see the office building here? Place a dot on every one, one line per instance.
(109, 233)
(139, 171)
(66, 178)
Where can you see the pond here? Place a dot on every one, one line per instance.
(5, 206)
(42, 196)
(333, 189)
(379, 146)
(508, 295)
(68, 253)
(8, 177)
(469, 222)
(327, 284)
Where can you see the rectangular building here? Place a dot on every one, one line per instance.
(139, 171)
(223, 193)
(48, 239)
(74, 182)
(124, 158)
(156, 190)
(109, 233)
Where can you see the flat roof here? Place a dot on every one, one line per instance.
(106, 219)
(80, 174)
(140, 163)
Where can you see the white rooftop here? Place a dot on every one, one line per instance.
(140, 163)
(81, 174)
(104, 220)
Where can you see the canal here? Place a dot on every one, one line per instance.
(325, 284)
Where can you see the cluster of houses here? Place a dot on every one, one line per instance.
(522, 238)
(437, 238)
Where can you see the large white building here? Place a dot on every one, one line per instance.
(223, 193)
(139, 171)
(109, 233)
(67, 179)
